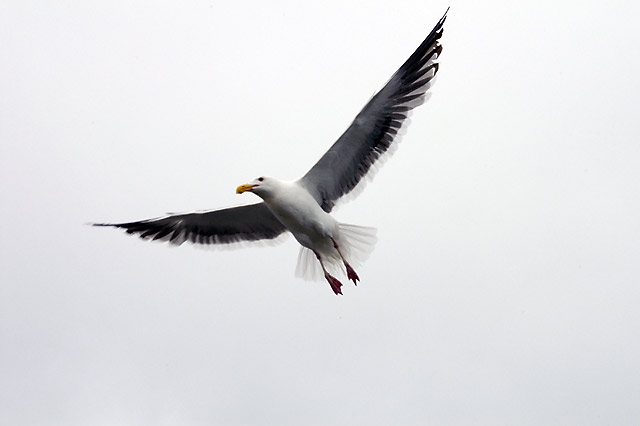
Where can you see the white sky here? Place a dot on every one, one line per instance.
(504, 287)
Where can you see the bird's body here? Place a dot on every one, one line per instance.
(303, 207)
(296, 209)
(315, 229)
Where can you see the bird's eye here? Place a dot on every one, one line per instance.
(260, 179)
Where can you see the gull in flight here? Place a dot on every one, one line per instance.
(302, 207)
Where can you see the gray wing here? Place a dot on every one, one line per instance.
(375, 128)
(245, 223)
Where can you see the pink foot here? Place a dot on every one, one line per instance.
(334, 283)
(351, 274)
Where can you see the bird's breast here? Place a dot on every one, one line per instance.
(303, 217)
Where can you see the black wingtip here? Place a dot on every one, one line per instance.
(441, 21)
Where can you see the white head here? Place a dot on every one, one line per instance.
(262, 186)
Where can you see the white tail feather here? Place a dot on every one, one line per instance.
(308, 267)
(356, 244)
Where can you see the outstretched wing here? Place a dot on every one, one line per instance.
(375, 128)
(245, 223)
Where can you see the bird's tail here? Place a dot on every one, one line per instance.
(356, 244)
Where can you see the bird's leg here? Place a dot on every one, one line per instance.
(333, 281)
(351, 274)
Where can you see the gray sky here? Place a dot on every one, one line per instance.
(504, 286)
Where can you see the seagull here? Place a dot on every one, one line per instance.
(303, 207)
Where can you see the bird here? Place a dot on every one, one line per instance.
(302, 207)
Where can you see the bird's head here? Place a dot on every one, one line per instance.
(262, 186)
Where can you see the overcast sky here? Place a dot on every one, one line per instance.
(504, 288)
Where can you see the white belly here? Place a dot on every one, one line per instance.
(305, 219)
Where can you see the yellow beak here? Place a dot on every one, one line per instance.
(243, 188)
